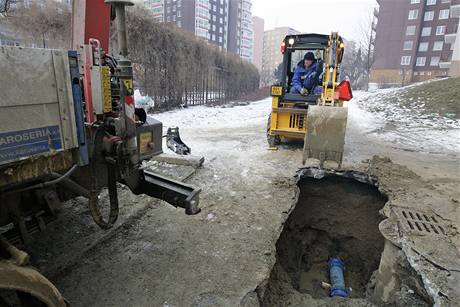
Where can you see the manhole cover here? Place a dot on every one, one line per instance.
(420, 222)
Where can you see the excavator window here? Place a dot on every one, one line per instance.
(296, 58)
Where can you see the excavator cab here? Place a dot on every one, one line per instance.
(320, 117)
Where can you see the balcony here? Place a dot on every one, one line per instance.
(444, 65)
(455, 11)
(450, 38)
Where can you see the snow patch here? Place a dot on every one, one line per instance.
(403, 127)
(408, 127)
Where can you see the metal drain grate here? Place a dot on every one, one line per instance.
(420, 222)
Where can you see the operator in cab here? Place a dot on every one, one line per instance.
(307, 74)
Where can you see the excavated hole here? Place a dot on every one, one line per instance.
(334, 216)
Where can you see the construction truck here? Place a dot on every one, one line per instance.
(319, 117)
(69, 127)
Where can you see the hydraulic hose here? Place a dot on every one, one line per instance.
(93, 200)
(57, 179)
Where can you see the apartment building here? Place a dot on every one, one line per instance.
(258, 30)
(271, 55)
(454, 40)
(207, 19)
(225, 23)
(410, 42)
(240, 34)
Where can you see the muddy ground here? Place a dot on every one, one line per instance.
(224, 256)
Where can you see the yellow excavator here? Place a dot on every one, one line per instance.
(318, 117)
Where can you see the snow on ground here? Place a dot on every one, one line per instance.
(202, 117)
(407, 127)
(370, 114)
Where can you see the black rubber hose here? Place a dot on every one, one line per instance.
(47, 183)
(77, 189)
(93, 200)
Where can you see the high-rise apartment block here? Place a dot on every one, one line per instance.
(271, 55)
(415, 40)
(257, 53)
(225, 23)
(240, 34)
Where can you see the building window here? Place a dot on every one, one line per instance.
(413, 14)
(214, 8)
(434, 61)
(168, 9)
(426, 31)
(408, 45)
(213, 37)
(430, 2)
(220, 39)
(168, 19)
(214, 27)
(414, 1)
(440, 30)
(444, 14)
(420, 61)
(221, 10)
(410, 30)
(437, 46)
(178, 13)
(174, 17)
(214, 18)
(220, 30)
(423, 47)
(179, 24)
(405, 60)
(179, 3)
(429, 16)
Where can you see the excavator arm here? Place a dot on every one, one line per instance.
(327, 121)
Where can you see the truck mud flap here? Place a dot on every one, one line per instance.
(173, 192)
(325, 137)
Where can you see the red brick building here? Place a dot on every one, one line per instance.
(410, 41)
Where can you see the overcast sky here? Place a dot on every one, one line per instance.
(316, 16)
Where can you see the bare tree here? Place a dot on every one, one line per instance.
(354, 65)
(366, 44)
(169, 64)
(175, 68)
(359, 55)
(5, 7)
(45, 24)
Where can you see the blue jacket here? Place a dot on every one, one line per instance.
(307, 78)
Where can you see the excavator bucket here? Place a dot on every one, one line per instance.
(325, 137)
